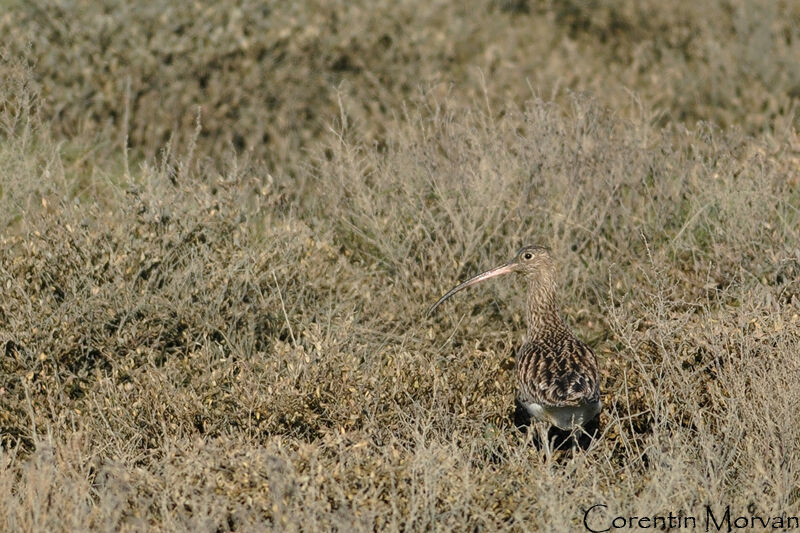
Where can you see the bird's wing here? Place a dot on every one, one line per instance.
(558, 374)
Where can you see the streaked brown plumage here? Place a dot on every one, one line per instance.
(556, 373)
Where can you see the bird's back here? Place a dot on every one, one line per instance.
(557, 371)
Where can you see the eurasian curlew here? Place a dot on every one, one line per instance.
(556, 373)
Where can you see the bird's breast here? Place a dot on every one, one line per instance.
(564, 417)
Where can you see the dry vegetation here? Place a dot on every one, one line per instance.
(221, 328)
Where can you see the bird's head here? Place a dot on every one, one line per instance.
(534, 262)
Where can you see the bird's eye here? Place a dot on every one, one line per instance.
(527, 255)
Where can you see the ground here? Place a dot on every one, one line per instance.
(222, 226)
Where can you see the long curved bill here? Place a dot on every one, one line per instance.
(483, 276)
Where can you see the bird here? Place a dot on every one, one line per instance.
(556, 373)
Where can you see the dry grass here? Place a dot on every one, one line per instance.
(268, 77)
(210, 342)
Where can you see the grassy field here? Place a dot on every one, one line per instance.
(221, 227)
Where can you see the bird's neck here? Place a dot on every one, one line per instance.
(544, 317)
